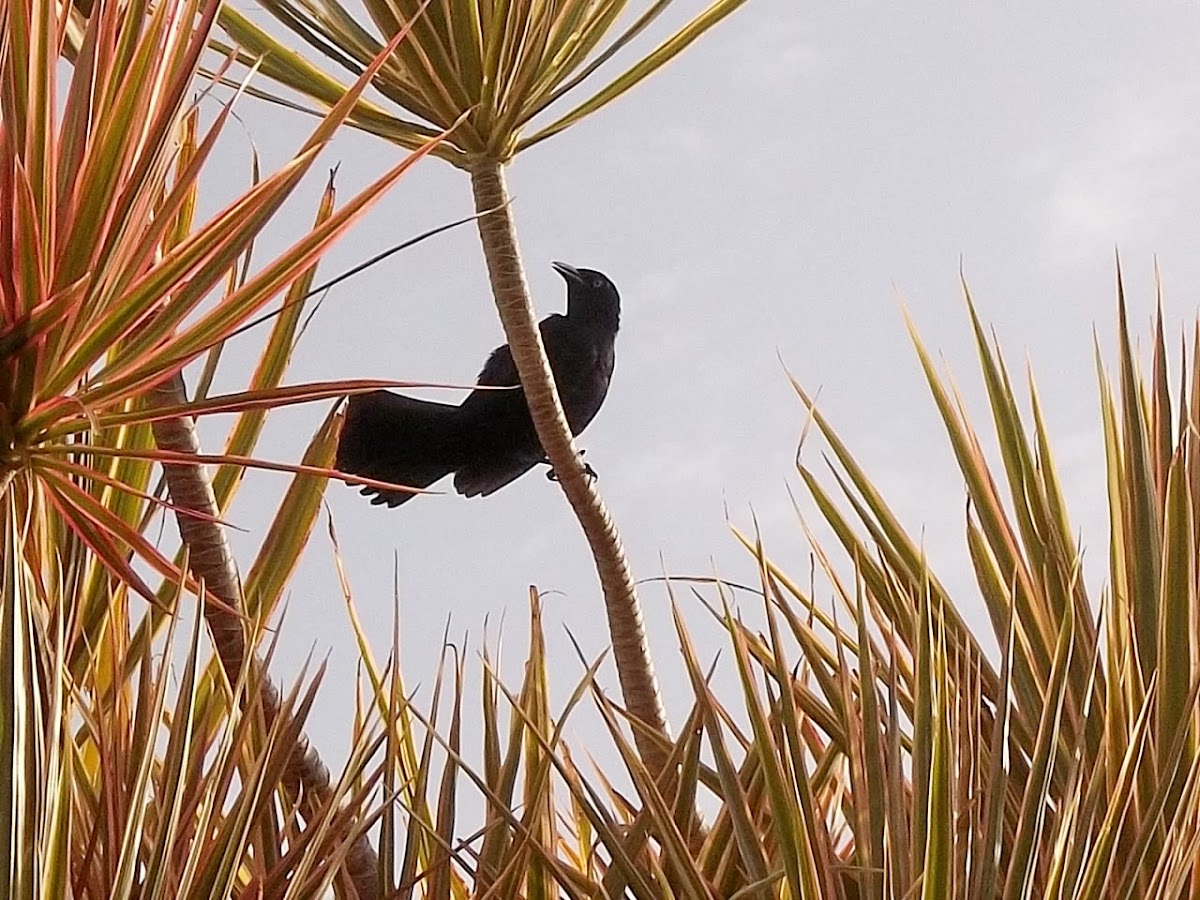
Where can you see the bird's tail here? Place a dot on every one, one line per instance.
(390, 437)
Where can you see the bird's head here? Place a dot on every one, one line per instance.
(590, 296)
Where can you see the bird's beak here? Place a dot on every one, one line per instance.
(568, 272)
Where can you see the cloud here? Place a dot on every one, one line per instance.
(672, 464)
(1126, 176)
(772, 52)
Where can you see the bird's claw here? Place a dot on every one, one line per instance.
(588, 471)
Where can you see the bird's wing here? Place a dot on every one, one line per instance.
(501, 371)
(553, 329)
(488, 476)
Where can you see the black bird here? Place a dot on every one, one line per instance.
(488, 440)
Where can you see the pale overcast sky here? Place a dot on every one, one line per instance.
(776, 194)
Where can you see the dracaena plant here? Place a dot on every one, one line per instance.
(873, 749)
(108, 290)
(905, 762)
(491, 71)
(869, 747)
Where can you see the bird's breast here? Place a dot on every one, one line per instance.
(583, 390)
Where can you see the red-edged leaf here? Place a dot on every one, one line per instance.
(219, 323)
(97, 539)
(267, 398)
(97, 526)
(216, 459)
(43, 464)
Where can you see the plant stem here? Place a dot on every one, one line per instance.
(635, 670)
(212, 563)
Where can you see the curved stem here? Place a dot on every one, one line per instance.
(9, 460)
(635, 670)
(211, 562)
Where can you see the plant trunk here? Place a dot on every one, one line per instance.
(635, 670)
(10, 463)
(210, 561)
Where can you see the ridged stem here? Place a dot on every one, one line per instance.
(210, 561)
(635, 670)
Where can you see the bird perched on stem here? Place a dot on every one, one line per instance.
(488, 440)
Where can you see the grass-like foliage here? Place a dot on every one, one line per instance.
(108, 290)
(903, 762)
(874, 750)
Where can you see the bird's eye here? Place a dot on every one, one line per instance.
(597, 282)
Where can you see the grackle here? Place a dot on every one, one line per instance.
(488, 440)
